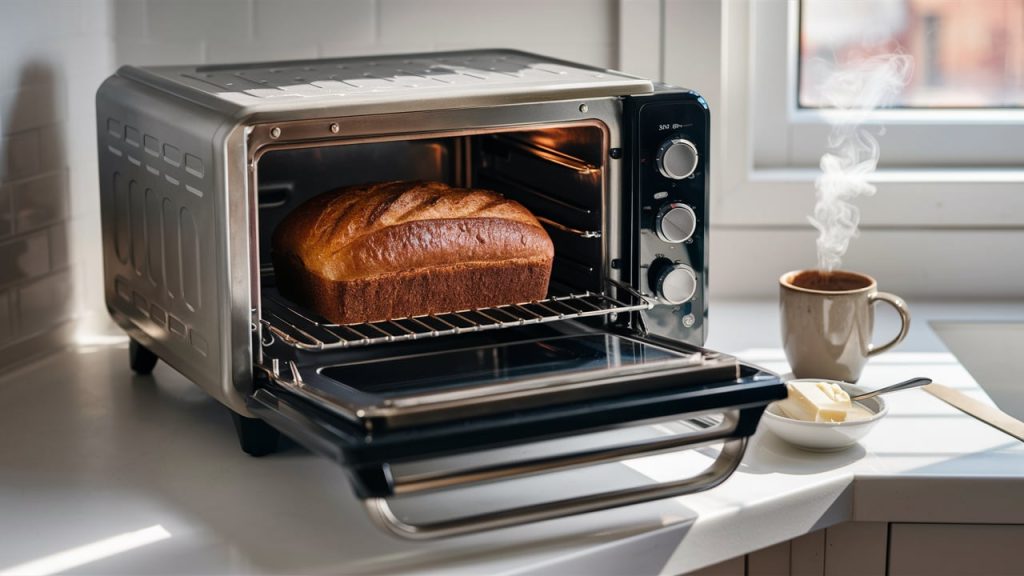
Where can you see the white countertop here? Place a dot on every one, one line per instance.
(94, 460)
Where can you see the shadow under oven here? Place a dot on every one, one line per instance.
(417, 405)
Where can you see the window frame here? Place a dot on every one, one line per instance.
(922, 179)
(913, 138)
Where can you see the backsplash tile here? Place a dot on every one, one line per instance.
(6, 330)
(21, 159)
(6, 213)
(288, 20)
(129, 18)
(24, 258)
(155, 53)
(52, 155)
(31, 107)
(59, 246)
(497, 23)
(55, 54)
(198, 20)
(44, 303)
(40, 201)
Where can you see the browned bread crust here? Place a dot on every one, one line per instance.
(395, 249)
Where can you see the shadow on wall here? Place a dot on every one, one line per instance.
(35, 279)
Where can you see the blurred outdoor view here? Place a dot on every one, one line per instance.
(967, 53)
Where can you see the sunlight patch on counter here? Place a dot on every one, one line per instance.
(81, 555)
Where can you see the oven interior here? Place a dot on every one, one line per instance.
(557, 173)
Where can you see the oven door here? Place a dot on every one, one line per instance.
(379, 410)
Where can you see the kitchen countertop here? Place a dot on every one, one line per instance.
(105, 472)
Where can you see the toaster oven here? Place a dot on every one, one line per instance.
(198, 164)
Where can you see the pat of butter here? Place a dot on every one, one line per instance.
(816, 402)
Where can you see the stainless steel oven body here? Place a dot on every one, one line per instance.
(197, 164)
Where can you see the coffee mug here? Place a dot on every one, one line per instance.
(828, 319)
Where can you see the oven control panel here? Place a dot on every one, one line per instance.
(668, 135)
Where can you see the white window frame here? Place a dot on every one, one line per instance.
(787, 136)
(939, 169)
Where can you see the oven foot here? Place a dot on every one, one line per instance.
(141, 360)
(256, 437)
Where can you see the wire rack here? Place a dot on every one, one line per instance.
(303, 330)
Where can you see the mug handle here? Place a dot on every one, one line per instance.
(901, 308)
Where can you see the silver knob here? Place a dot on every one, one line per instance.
(677, 158)
(675, 222)
(674, 283)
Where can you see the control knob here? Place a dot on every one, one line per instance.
(674, 283)
(677, 158)
(676, 222)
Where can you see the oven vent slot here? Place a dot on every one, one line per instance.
(303, 330)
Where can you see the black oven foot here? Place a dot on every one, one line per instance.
(256, 437)
(141, 360)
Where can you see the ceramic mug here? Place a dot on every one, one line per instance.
(828, 320)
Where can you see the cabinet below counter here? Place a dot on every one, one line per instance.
(877, 548)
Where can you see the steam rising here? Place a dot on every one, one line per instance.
(855, 91)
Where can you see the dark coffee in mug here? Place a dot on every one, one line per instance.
(835, 281)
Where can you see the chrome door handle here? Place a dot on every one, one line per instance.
(380, 512)
(378, 483)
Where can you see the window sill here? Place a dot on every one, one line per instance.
(906, 199)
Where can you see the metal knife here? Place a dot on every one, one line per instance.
(990, 415)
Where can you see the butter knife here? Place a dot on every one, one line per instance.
(988, 414)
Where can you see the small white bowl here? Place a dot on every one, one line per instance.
(825, 436)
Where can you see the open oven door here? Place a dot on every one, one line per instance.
(376, 411)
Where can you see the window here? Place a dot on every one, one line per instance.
(789, 125)
(950, 178)
(966, 54)
(948, 214)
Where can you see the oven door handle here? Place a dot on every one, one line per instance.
(373, 480)
(383, 516)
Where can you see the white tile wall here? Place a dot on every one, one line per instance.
(299, 21)
(217, 31)
(34, 106)
(157, 53)
(640, 37)
(22, 158)
(42, 303)
(5, 316)
(25, 258)
(198, 20)
(54, 53)
(6, 214)
(40, 200)
(59, 251)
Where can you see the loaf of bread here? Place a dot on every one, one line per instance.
(395, 249)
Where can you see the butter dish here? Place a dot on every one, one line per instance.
(825, 436)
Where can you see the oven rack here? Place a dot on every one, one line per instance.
(301, 329)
